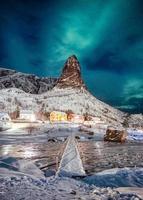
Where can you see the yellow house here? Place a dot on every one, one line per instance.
(57, 116)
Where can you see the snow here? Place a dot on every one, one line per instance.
(80, 102)
(26, 181)
(26, 82)
(7, 164)
(124, 177)
(71, 164)
(4, 125)
(4, 116)
(20, 179)
(135, 120)
(134, 134)
(131, 190)
(22, 186)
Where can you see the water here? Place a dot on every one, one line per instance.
(42, 154)
(99, 155)
(96, 155)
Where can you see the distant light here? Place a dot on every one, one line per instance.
(33, 118)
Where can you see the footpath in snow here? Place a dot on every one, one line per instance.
(71, 164)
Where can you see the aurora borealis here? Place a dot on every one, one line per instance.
(37, 36)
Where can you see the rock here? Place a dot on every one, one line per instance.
(114, 135)
(52, 140)
(77, 137)
(26, 82)
(90, 138)
(69, 92)
(73, 192)
(90, 133)
(50, 172)
(71, 74)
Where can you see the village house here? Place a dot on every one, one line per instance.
(4, 117)
(93, 121)
(75, 118)
(57, 116)
(27, 115)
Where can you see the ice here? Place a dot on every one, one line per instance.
(10, 164)
(125, 177)
(18, 185)
(71, 164)
(135, 135)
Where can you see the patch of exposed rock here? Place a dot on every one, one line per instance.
(71, 74)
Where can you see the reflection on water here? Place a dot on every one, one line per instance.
(96, 155)
(99, 156)
(42, 153)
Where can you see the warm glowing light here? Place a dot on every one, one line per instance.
(16, 126)
(33, 118)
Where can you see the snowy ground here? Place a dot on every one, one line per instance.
(135, 134)
(59, 130)
(23, 180)
(19, 186)
(71, 163)
(124, 177)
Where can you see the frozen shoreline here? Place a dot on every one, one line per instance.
(17, 187)
(29, 183)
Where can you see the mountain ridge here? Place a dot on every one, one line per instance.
(27, 82)
(64, 97)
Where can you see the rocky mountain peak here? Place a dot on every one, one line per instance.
(71, 74)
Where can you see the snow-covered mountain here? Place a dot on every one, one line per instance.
(70, 93)
(26, 82)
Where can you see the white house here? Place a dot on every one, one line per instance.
(27, 115)
(4, 117)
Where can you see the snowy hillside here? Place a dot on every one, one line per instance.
(26, 82)
(79, 101)
(136, 119)
(68, 93)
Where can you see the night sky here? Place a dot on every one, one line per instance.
(106, 36)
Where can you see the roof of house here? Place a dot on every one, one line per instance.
(4, 114)
(26, 112)
(58, 112)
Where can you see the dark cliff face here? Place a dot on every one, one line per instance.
(5, 72)
(26, 82)
(71, 74)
